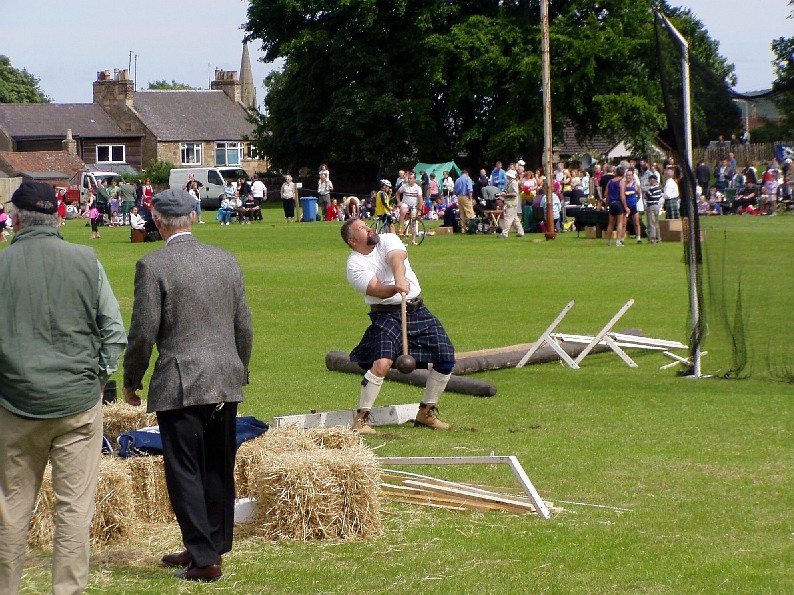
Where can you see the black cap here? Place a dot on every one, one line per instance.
(35, 196)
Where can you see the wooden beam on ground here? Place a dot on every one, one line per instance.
(339, 361)
(379, 416)
(512, 461)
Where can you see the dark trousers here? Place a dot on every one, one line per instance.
(199, 448)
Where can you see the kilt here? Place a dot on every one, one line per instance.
(427, 340)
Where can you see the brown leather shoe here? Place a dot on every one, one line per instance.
(427, 416)
(200, 573)
(180, 559)
(361, 423)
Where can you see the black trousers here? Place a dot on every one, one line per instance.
(199, 448)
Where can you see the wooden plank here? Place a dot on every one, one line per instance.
(379, 416)
(493, 351)
(512, 461)
(491, 499)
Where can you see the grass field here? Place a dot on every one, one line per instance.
(703, 468)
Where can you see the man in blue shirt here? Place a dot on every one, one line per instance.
(498, 177)
(464, 190)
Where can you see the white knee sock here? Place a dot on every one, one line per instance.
(435, 385)
(370, 387)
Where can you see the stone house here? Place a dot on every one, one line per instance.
(134, 128)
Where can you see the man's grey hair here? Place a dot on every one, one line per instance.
(171, 222)
(30, 218)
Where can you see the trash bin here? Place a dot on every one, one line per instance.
(109, 394)
(309, 208)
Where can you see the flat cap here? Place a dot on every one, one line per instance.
(173, 202)
(35, 196)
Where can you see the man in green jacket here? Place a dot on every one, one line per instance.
(63, 338)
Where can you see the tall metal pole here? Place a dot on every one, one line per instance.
(547, 139)
(692, 210)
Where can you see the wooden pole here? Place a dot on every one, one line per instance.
(547, 131)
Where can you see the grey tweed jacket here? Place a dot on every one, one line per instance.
(190, 303)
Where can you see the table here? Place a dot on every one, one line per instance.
(584, 216)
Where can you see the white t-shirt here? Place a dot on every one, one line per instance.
(258, 189)
(670, 188)
(411, 194)
(361, 268)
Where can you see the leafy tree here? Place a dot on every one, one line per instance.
(391, 81)
(783, 48)
(19, 86)
(172, 86)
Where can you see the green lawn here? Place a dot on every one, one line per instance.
(703, 466)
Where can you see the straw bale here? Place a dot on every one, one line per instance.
(41, 524)
(118, 417)
(150, 494)
(115, 508)
(287, 439)
(317, 494)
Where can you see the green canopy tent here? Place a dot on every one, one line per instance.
(438, 169)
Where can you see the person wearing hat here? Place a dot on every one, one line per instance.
(202, 365)
(66, 338)
(510, 215)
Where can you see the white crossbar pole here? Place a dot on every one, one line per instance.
(546, 338)
(604, 331)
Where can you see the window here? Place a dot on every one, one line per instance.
(110, 154)
(227, 153)
(191, 153)
(251, 152)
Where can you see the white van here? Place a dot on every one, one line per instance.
(211, 180)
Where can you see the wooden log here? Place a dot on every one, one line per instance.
(498, 359)
(339, 361)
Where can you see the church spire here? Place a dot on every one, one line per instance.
(248, 90)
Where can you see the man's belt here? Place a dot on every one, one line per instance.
(410, 306)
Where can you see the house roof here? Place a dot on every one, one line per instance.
(51, 120)
(571, 145)
(191, 115)
(39, 164)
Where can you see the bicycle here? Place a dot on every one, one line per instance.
(417, 224)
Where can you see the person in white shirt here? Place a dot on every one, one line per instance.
(378, 268)
(136, 221)
(672, 202)
(409, 196)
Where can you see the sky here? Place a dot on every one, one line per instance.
(64, 45)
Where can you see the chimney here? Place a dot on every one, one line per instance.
(69, 145)
(113, 91)
(226, 81)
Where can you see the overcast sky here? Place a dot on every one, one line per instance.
(66, 44)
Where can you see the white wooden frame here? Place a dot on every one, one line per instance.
(510, 460)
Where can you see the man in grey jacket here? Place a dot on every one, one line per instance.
(190, 302)
(62, 339)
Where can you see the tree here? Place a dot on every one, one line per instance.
(19, 86)
(172, 86)
(392, 81)
(783, 48)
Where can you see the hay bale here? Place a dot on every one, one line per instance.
(150, 495)
(41, 524)
(114, 511)
(317, 494)
(287, 439)
(119, 417)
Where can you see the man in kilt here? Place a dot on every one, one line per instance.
(378, 268)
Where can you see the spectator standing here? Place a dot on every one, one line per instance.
(378, 268)
(653, 198)
(464, 190)
(703, 176)
(53, 369)
(289, 193)
(672, 202)
(448, 185)
(498, 177)
(409, 197)
(190, 303)
(510, 215)
(631, 193)
(324, 189)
